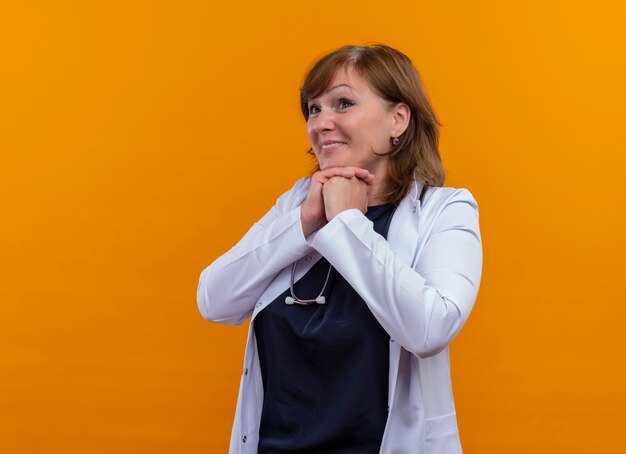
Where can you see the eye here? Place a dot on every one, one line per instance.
(313, 109)
(343, 104)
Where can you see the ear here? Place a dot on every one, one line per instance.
(400, 120)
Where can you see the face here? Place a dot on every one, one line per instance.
(349, 122)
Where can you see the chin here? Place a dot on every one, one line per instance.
(330, 164)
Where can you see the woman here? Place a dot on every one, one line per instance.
(357, 279)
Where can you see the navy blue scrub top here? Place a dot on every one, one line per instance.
(325, 367)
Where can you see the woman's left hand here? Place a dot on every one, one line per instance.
(342, 194)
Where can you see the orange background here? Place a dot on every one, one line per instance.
(139, 140)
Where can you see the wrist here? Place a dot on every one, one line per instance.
(309, 225)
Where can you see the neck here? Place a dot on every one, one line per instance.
(376, 190)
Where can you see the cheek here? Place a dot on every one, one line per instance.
(360, 128)
(310, 128)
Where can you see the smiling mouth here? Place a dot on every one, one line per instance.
(333, 144)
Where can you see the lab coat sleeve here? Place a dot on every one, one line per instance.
(423, 308)
(232, 284)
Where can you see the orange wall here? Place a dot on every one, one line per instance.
(139, 140)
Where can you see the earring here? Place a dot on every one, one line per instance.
(395, 141)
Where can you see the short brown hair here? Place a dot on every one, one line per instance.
(393, 76)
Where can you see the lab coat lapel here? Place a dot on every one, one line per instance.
(404, 229)
(402, 238)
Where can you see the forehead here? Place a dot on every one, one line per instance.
(346, 78)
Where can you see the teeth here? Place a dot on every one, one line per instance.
(331, 144)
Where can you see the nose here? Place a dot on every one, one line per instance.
(324, 121)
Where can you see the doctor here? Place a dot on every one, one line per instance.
(357, 280)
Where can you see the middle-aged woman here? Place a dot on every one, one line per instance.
(357, 279)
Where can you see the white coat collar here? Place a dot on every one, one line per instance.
(404, 229)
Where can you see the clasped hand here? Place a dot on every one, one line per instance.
(332, 191)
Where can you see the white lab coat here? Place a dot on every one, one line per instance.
(420, 284)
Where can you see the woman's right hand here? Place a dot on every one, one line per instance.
(312, 212)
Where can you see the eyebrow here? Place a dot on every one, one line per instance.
(334, 87)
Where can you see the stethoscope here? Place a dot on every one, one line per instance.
(293, 299)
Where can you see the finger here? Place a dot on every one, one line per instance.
(320, 177)
(368, 178)
(323, 176)
(363, 174)
(338, 172)
(354, 180)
